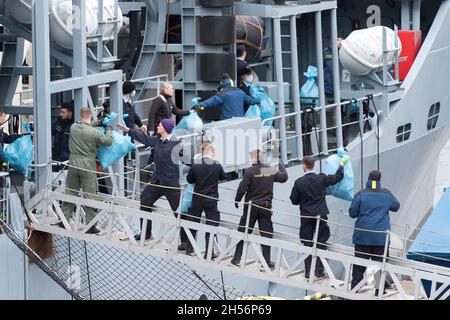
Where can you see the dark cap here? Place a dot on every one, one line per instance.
(375, 175)
(168, 125)
(128, 87)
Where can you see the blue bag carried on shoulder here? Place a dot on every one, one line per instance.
(189, 124)
(20, 153)
(345, 189)
(120, 147)
(253, 112)
(267, 106)
(187, 198)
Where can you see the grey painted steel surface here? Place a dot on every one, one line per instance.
(336, 77)
(321, 84)
(406, 15)
(279, 77)
(279, 11)
(41, 84)
(416, 14)
(11, 68)
(80, 59)
(296, 85)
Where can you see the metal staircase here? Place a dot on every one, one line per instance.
(116, 219)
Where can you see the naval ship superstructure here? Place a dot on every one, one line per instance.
(191, 43)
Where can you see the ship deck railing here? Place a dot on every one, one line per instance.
(117, 217)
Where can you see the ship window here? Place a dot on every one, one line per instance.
(433, 115)
(404, 132)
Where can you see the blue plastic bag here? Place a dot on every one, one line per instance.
(20, 153)
(187, 198)
(253, 112)
(189, 124)
(120, 147)
(267, 106)
(343, 190)
(309, 92)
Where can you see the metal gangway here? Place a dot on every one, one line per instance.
(117, 216)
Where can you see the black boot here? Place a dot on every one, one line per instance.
(93, 230)
(213, 255)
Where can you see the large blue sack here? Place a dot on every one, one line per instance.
(20, 153)
(267, 106)
(343, 190)
(309, 92)
(187, 198)
(120, 147)
(189, 124)
(253, 112)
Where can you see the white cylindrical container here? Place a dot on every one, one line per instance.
(21, 9)
(109, 16)
(362, 51)
(62, 20)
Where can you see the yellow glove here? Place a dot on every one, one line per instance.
(344, 160)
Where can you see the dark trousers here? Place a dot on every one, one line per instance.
(264, 219)
(307, 230)
(152, 194)
(212, 214)
(374, 253)
(307, 123)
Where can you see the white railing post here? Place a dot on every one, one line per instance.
(405, 241)
(244, 253)
(178, 225)
(338, 222)
(312, 270)
(383, 267)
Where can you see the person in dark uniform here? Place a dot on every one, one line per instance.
(309, 192)
(241, 64)
(371, 208)
(205, 174)
(257, 186)
(61, 133)
(166, 172)
(129, 90)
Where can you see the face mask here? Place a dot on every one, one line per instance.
(133, 93)
(248, 78)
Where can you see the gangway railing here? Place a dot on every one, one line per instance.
(299, 134)
(116, 216)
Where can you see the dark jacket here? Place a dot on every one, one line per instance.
(61, 135)
(328, 72)
(133, 118)
(6, 138)
(257, 184)
(166, 171)
(371, 208)
(246, 88)
(160, 110)
(206, 176)
(310, 190)
(232, 100)
(240, 66)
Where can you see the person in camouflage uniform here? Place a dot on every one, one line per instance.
(83, 144)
